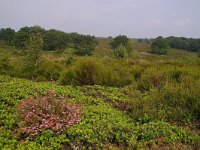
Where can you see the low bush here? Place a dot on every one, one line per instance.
(47, 112)
(161, 134)
(101, 124)
(47, 140)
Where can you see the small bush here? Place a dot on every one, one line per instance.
(151, 78)
(120, 51)
(48, 112)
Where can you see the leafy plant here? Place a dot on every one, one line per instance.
(120, 51)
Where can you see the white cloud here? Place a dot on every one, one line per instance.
(182, 23)
(155, 21)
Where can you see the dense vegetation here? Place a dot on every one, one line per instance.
(53, 40)
(122, 97)
(188, 44)
(159, 46)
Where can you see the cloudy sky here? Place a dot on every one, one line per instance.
(134, 18)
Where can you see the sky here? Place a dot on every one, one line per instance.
(103, 18)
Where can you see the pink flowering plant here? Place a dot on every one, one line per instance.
(48, 112)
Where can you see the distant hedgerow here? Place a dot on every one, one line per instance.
(48, 112)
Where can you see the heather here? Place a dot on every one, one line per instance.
(47, 113)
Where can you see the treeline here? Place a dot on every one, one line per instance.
(53, 40)
(188, 44)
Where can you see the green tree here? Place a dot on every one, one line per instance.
(84, 44)
(23, 36)
(7, 35)
(160, 46)
(120, 40)
(55, 40)
(194, 45)
(183, 43)
(34, 48)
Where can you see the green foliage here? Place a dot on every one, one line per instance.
(55, 40)
(70, 60)
(100, 124)
(119, 40)
(7, 141)
(120, 51)
(49, 70)
(90, 71)
(85, 72)
(132, 103)
(159, 133)
(7, 35)
(34, 49)
(188, 44)
(160, 46)
(5, 65)
(23, 36)
(84, 44)
(169, 94)
(47, 140)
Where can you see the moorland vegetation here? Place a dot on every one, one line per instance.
(71, 91)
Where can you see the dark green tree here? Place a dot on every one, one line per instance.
(55, 40)
(159, 46)
(183, 43)
(23, 36)
(194, 45)
(120, 40)
(7, 35)
(84, 44)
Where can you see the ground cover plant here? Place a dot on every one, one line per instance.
(102, 123)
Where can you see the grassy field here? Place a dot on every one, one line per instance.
(146, 101)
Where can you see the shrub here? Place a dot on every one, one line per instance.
(49, 70)
(120, 52)
(160, 46)
(90, 71)
(47, 112)
(151, 78)
(84, 45)
(120, 40)
(85, 72)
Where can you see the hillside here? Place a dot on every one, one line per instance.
(145, 101)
